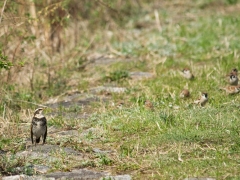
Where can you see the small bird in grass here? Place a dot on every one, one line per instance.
(149, 105)
(187, 73)
(202, 100)
(231, 89)
(184, 93)
(38, 127)
(233, 79)
(234, 71)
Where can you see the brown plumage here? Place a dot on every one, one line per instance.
(202, 100)
(148, 105)
(184, 93)
(231, 89)
(234, 71)
(38, 127)
(186, 72)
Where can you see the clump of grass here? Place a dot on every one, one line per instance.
(10, 163)
(118, 76)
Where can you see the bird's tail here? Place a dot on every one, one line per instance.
(37, 140)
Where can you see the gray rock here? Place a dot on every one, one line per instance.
(77, 174)
(25, 177)
(97, 150)
(43, 151)
(68, 133)
(118, 177)
(198, 178)
(141, 75)
(107, 89)
(41, 169)
(31, 169)
(68, 99)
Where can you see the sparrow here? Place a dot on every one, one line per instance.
(231, 89)
(38, 127)
(187, 73)
(234, 71)
(148, 105)
(202, 100)
(185, 93)
(233, 79)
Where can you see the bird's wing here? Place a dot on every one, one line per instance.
(31, 134)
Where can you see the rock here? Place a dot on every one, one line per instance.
(97, 150)
(25, 177)
(77, 174)
(43, 151)
(118, 177)
(68, 133)
(73, 98)
(197, 178)
(31, 169)
(141, 75)
(41, 169)
(107, 89)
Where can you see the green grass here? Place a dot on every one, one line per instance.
(177, 139)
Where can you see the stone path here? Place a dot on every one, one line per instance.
(51, 153)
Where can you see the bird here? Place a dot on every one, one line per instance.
(202, 100)
(234, 71)
(148, 105)
(38, 127)
(184, 93)
(231, 89)
(187, 73)
(233, 79)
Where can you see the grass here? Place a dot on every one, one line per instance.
(177, 139)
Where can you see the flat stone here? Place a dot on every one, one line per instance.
(31, 154)
(97, 150)
(140, 75)
(118, 177)
(31, 169)
(25, 177)
(73, 98)
(199, 178)
(41, 169)
(77, 174)
(108, 89)
(42, 151)
(68, 133)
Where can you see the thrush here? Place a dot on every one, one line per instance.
(38, 127)
(202, 100)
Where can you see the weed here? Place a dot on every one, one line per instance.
(117, 76)
(104, 160)
(9, 163)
